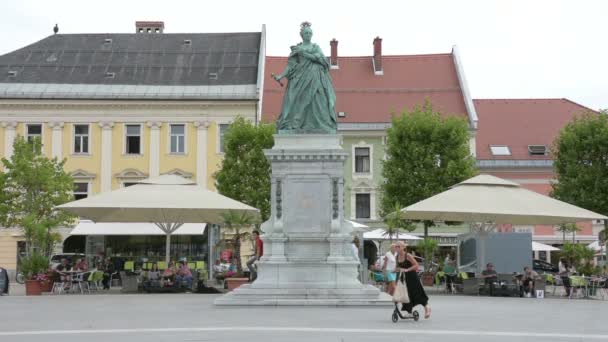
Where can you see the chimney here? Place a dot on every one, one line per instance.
(378, 56)
(333, 61)
(149, 26)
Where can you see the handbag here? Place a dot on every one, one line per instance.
(401, 295)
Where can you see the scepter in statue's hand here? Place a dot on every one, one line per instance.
(278, 79)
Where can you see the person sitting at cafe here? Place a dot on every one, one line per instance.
(528, 281)
(168, 275)
(489, 276)
(152, 278)
(81, 265)
(108, 269)
(184, 275)
(65, 278)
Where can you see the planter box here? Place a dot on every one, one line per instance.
(46, 286)
(33, 288)
(233, 283)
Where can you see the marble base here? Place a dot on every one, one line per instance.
(247, 295)
(308, 258)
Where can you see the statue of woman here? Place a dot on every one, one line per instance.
(309, 101)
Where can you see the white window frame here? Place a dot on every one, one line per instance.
(141, 138)
(88, 183)
(185, 138)
(26, 135)
(370, 174)
(500, 154)
(74, 139)
(219, 136)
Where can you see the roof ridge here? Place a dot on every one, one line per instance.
(383, 56)
(540, 99)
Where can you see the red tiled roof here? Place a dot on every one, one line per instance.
(518, 123)
(367, 98)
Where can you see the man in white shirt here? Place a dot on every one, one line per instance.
(355, 248)
(388, 269)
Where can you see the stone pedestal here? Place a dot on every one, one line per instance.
(308, 258)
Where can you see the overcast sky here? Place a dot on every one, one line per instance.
(510, 49)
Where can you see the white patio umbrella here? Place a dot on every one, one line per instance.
(381, 234)
(487, 200)
(541, 247)
(596, 246)
(168, 201)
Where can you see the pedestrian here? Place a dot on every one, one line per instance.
(407, 268)
(3, 281)
(564, 273)
(259, 252)
(388, 269)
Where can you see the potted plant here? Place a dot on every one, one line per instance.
(428, 247)
(34, 268)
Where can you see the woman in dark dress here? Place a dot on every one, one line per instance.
(408, 267)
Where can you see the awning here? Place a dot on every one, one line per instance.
(86, 227)
(537, 246)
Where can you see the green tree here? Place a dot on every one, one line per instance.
(580, 161)
(395, 223)
(245, 171)
(426, 153)
(32, 185)
(568, 228)
(236, 223)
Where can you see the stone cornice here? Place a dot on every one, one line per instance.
(154, 124)
(201, 125)
(57, 125)
(9, 124)
(106, 124)
(305, 156)
(119, 105)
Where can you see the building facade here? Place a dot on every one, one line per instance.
(514, 142)
(123, 107)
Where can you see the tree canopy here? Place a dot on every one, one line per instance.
(425, 154)
(580, 161)
(32, 185)
(245, 171)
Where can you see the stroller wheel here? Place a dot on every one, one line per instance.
(416, 315)
(395, 317)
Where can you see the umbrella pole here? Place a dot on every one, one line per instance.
(168, 249)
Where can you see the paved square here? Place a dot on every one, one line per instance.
(193, 317)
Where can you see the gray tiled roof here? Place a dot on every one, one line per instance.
(210, 59)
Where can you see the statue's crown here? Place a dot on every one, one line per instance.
(305, 25)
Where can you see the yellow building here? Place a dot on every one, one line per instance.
(123, 107)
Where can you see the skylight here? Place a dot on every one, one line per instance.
(500, 150)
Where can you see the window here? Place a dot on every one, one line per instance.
(537, 150)
(133, 143)
(223, 129)
(34, 131)
(362, 159)
(81, 190)
(500, 150)
(178, 138)
(81, 138)
(362, 205)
